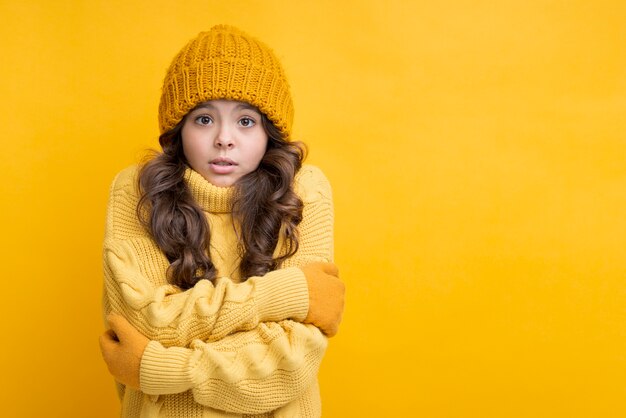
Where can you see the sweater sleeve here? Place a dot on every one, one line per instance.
(246, 373)
(134, 266)
(316, 229)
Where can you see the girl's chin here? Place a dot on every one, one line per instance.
(219, 181)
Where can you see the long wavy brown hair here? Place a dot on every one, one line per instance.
(264, 207)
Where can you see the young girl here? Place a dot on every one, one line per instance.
(217, 255)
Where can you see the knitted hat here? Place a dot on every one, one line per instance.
(225, 63)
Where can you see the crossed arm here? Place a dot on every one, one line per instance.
(191, 341)
(135, 287)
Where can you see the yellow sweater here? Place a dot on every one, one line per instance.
(228, 349)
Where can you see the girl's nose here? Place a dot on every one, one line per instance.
(224, 139)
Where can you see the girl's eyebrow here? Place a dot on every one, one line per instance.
(204, 105)
(247, 106)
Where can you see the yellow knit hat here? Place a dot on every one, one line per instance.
(225, 63)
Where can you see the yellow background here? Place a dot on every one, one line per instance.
(478, 158)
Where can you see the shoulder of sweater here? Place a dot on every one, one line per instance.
(311, 184)
(126, 179)
(122, 219)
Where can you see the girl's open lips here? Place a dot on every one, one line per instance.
(222, 165)
(222, 161)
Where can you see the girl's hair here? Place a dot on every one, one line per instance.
(264, 208)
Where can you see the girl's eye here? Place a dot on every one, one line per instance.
(247, 122)
(204, 120)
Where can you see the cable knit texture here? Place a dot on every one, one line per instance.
(226, 63)
(228, 348)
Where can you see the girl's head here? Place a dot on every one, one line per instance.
(223, 91)
(225, 63)
(226, 112)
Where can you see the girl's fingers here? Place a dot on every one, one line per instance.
(111, 335)
(123, 331)
(108, 340)
(119, 325)
(332, 269)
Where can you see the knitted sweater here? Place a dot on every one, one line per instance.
(228, 348)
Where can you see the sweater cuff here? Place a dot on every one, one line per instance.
(163, 370)
(282, 294)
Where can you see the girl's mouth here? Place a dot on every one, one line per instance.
(222, 165)
(222, 161)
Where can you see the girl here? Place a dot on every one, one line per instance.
(217, 255)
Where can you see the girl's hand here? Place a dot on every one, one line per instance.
(326, 297)
(122, 347)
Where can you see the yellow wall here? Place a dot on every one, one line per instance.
(478, 157)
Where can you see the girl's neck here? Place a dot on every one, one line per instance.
(211, 198)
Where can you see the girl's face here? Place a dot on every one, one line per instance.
(224, 140)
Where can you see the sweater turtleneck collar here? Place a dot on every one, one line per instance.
(210, 198)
